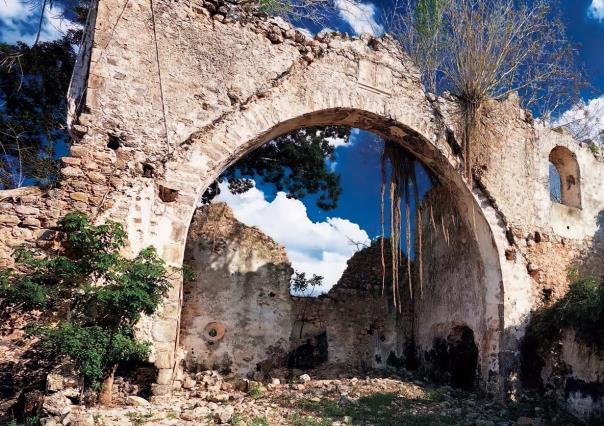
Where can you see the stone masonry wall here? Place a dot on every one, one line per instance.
(237, 313)
(175, 91)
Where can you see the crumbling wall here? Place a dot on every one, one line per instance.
(237, 312)
(450, 298)
(241, 296)
(575, 372)
(175, 93)
(363, 329)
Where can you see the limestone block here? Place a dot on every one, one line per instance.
(164, 330)
(27, 210)
(9, 219)
(79, 196)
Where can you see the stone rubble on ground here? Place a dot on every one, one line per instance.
(208, 398)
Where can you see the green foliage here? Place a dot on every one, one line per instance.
(255, 390)
(299, 420)
(383, 408)
(428, 17)
(581, 309)
(259, 421)
(274, 7)
(28, 421)
(138, 419)
(103, 294)
(295, 163)
(33, 85)
(305, 286)
(33, 105)
(595, 149)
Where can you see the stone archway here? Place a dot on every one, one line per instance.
(365, 83)
(163, 101)
(487, 327)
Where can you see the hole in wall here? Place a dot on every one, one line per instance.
(564, 177)
(463, 354)
(213, 332)
(113, 143)
(455, 359)
(148, 170)
(167, 195)
(309, 355)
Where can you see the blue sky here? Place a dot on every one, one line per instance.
(318, 241)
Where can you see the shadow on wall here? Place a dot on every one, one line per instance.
(562, 351)
(454, 360)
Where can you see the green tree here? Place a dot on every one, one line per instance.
(33, 107)
(294, 163)
(91, 296)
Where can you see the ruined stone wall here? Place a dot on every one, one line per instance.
(237, 312)
(176, 92)
(452, 291)
(364, 330)
(242, 292)
(575, 372)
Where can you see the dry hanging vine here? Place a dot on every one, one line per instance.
(401, 180)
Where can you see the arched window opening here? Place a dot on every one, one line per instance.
(554, 184)
(291, 252)
(564, 177)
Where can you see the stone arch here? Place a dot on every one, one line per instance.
(219, 102)
(565, 162)
(209, 152)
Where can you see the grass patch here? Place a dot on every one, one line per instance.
(255, 390)
(299, 420)
(259, 421)
(138, 419)
(433, 395)
(381, 408)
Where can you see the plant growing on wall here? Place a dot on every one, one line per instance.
(305, 287)
(90, 295)
(581, 309)
(480, 50)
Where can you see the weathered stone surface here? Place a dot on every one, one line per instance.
(57, 404)
(137, 401)
(233, 262)
(227, 87)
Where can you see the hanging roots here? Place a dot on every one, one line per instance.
(402, 184)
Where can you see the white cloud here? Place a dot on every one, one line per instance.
(585, 120)
(320, 248)
(19, 22)
(596, 10)
(360, 16)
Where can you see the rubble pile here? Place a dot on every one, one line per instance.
(210, 399)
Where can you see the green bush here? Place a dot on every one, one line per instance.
(581, 309)
(90, 294)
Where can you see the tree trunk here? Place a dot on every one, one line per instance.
(105, 396)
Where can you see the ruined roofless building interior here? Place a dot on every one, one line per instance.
(163, 102)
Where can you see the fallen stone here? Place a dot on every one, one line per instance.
(137, 401)
(224, 414)
(304, 378)
(188, 383)
(57, 404)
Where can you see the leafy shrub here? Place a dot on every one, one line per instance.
(581, 309)
(255, 390)
(91, 296)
